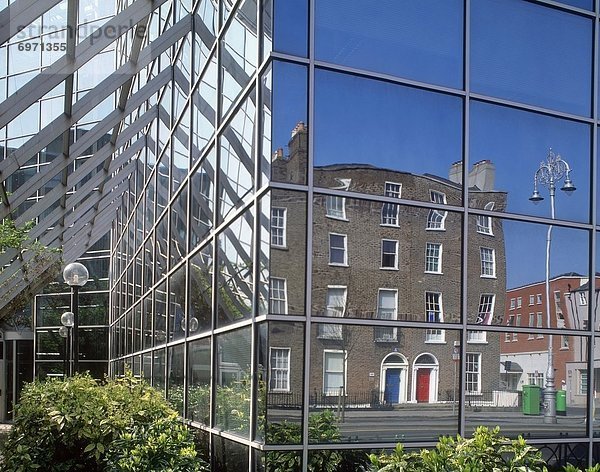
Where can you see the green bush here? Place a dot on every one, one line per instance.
(486, 451)
(70, 425)
(322, 428)
(164, 445)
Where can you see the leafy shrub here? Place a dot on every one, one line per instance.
(486, 451)
(164, 445)
(322, 428)
(70, 425)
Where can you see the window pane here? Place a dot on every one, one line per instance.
(408, 133)
(366, 35)
(533, 39)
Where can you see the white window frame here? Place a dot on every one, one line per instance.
(436, 219)
(540, 323)
(535, 378)
(434, 313)
(390, 212)
(333, 331)
(487, 256)
(515, 336)
(335, 207)
(278, 232)
(484, 222)
(539, 298)
(433, 261)
(510, 322)
(335, 391)
(582, 298)
(531, 325)
(384, 333)
(519, 302)
(512, 303)
(476, 337)
(344, 248)
(285, 370)
(395, 253)
(531, 300)
(473, 375)
(279, 300)
(487, 302)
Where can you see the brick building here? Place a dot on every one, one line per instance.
(395, 264)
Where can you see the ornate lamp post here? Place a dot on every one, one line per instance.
(76, 275)
(548, 174)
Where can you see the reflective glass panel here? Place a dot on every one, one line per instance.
(283, 238)
(200, 280)
(234, 270)
(233, 382)
(199, 381)
(377, 260)
(289, 134)
(380, 391)
(397, 38)
(176, 377)
(238, 54)
(508, 147)
(511, 395)
(515, 47)
(409, 133)
(236, 181)
(281, 350)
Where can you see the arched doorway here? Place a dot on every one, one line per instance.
(425, 379)
(393, 384)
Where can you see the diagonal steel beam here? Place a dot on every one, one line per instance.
(19, 15)
(86, 50)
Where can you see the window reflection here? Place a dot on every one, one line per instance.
(522, 376)
(376, 125)
(360, 262)
(362, 379)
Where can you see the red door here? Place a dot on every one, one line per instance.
(423, 376)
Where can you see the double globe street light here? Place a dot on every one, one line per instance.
(76, 276)
(549, 174)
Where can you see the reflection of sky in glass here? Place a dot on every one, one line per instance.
(365, 121)
(530, 53)
(416, 39)
(517, 142)
(526, 252)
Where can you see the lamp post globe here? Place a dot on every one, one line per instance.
(67, 319)
(76, 274)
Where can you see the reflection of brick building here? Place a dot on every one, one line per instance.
(380, 260)
(524, 356)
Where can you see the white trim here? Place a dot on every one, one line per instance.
(289, 357)
(344, 371)
(345, 248)
(283, 228)
(396, 246)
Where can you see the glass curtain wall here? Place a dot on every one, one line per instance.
(334, 222)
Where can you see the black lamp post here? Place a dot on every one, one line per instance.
(65, 332)
(76, 275)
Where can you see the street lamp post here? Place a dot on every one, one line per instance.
(76, 275)
(548, 174)
(65, 332)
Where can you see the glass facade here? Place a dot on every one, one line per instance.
(327, 207)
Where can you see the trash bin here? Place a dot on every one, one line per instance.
(531, 399)
(561, 402)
